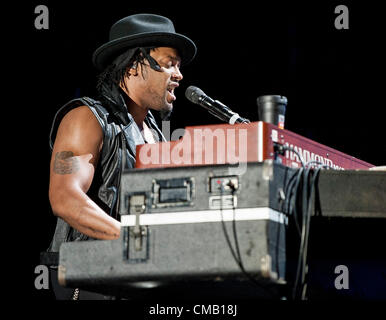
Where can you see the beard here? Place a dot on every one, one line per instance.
(159, 102)
(165, 114)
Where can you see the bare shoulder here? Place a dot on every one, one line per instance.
(80, 130)
(81, 114)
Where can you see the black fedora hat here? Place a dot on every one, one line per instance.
(143, 30)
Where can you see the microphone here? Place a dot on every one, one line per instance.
(215, 107)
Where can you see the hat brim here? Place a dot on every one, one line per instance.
(104, 55)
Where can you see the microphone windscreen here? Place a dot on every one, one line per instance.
(193, 94)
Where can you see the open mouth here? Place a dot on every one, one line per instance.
(170, 89)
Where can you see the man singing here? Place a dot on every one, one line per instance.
(93, 141)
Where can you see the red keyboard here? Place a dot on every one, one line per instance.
(239, 143)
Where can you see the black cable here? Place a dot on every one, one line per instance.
(234, 227)
(298, 193)
(237, 257)
(304, 197)
(224, 227)
(310, 177)
(305, 204)
(293, 207)
(309, 206)
(287, 192)
(296, 185)
(292, 185)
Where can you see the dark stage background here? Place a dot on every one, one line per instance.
(333, 79)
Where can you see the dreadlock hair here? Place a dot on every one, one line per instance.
(108, 82)
(114, 74)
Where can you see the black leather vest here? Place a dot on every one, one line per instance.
(118, 154)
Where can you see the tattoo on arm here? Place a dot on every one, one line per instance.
(65, 163)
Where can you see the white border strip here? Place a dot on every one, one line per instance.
(240, 214)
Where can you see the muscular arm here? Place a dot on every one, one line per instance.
(74, 158)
